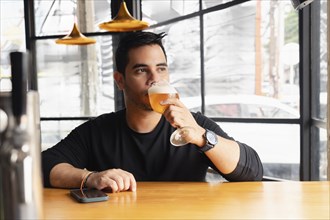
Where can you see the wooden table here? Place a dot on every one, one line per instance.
(196, 200)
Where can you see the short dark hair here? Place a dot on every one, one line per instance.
(134, 40)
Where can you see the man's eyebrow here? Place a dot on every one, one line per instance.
(162, 64)
(138, 65)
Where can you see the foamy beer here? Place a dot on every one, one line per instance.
(158, 92)
(161, 91)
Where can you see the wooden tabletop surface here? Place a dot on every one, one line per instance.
(198, 200)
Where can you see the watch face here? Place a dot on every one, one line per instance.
(211, 137)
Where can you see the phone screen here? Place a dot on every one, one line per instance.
(89, 195)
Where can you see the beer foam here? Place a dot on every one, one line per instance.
(162, 89)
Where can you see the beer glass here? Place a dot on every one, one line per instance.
(158, 92)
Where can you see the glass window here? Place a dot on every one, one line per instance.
(57, 17)
(249, 73)
(319, 135)
(242, 106)
(211, 3)
(75, 81)
(250, 66)
(319, 92)
(54, 131)
(182, 45)
(155, 11)
(278, 146)
(252, 57)
(320, 158)
(323, 80)
(12, 36)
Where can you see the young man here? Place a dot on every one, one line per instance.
(133, 144)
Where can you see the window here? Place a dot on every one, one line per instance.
(250, 50)
(12, 37)
(74, 82)
(319, 91)
(235, 61)
(248, 69)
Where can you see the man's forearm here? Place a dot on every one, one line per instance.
(225, 155)
(64, 175)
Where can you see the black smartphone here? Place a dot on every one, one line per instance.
(89, 195)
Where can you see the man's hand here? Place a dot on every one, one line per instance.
(64, 175)
(116, 180)
(179, 116)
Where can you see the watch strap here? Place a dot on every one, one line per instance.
(208, 145)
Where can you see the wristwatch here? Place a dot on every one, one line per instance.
(211, 140)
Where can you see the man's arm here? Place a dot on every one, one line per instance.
(225, 155)
(234, 160)
(64, 175)
(238, 162)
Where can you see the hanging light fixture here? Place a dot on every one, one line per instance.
(75, 38)
(123, 21)
(299, 4)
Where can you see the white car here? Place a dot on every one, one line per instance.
(241, 106)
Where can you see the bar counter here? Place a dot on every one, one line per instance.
(199, 200)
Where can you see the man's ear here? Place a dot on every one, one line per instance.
(119, 79)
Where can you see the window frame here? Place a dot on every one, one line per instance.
(308, 23)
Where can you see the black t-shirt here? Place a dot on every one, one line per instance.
(107, 142)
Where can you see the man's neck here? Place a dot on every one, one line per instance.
(142, 121)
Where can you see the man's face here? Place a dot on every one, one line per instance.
(147, 64)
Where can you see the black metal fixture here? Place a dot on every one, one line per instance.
(299, 4)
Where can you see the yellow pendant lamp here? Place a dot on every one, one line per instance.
(75, 38)
(123, 22)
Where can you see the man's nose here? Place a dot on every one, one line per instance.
(154, 76)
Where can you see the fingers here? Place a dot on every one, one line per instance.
(172, 101)
(177, 114)
(115, 179)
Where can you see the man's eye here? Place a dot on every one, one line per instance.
(162, 69)
(141, 70)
